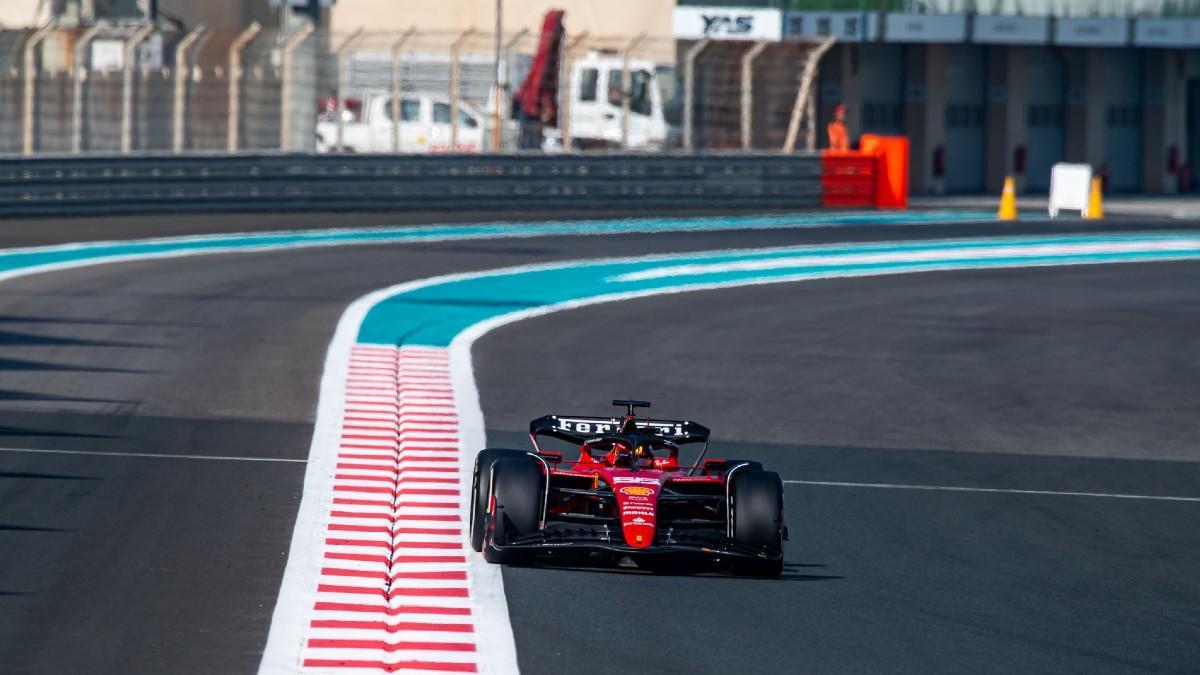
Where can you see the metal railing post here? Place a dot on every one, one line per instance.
(456, 84)
(30, 66)
(397, 49)
(285, 86)
(748, 93)
(810, 130)
(182, 72)
(80, 72)
(504, 105)
(139, 36)
(497, 37)
(689, 91)
(235, 83)
(565, 91)
(626, 89)
(804, 95)
(340, 76)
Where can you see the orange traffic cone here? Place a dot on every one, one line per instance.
(1095, 209)
(1008, 201)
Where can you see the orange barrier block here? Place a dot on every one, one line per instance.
(891, 185)
(847, 179)
(876, 175)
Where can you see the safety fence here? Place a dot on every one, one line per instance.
(166, 183)
(123, 89)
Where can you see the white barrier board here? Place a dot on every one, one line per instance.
(1069, 187)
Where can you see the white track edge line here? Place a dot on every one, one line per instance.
(298, 586)
(154, 455)
(1010, 491)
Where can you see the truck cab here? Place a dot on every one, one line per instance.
(596, 104)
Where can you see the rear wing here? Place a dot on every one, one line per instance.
(577, 429)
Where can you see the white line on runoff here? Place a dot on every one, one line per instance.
(154, 455)
(1010, 491)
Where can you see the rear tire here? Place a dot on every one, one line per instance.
(518, 488)
(481, 481)
(756, 511)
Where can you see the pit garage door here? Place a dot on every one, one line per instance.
(965, 88)
(1045, 135)
(1193, 131)
(1122, 118)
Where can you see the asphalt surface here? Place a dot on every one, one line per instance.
(1063, 379)
(1055, 379)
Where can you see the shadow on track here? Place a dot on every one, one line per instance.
(15, 339)
(42, 476)
(23, 365)
(42, 433)
(10, 318)
(10, 395)
(5, 527)
(791, 571)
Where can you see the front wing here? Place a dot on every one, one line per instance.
(568, 538)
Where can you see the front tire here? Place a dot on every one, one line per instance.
(750, 465)
(756, 514)
(481, 481)
(518, 489)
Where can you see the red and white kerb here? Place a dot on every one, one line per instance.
(393, 593)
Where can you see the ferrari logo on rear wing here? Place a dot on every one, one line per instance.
(578, 429)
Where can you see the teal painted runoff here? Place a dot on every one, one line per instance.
(435, 313)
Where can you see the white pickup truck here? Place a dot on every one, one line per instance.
(424, 126)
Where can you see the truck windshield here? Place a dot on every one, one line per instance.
(441, 115)
(640, 82)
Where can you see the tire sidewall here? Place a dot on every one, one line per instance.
(481, 478)
(516, 495)
(756, 510)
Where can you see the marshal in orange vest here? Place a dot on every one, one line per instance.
(839, 139)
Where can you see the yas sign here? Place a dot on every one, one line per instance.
(725, 23)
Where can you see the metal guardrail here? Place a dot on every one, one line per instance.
(100, 185)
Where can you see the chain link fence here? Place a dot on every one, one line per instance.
(125, 89)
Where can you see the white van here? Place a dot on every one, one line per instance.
(424, 126)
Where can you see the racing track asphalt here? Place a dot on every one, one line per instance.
(1062, 379)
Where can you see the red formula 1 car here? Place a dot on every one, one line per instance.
(626, 496)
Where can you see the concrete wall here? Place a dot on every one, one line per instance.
(20, 13)
(598, 17)
(223, 15)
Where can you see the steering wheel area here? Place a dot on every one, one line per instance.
(630, 452)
